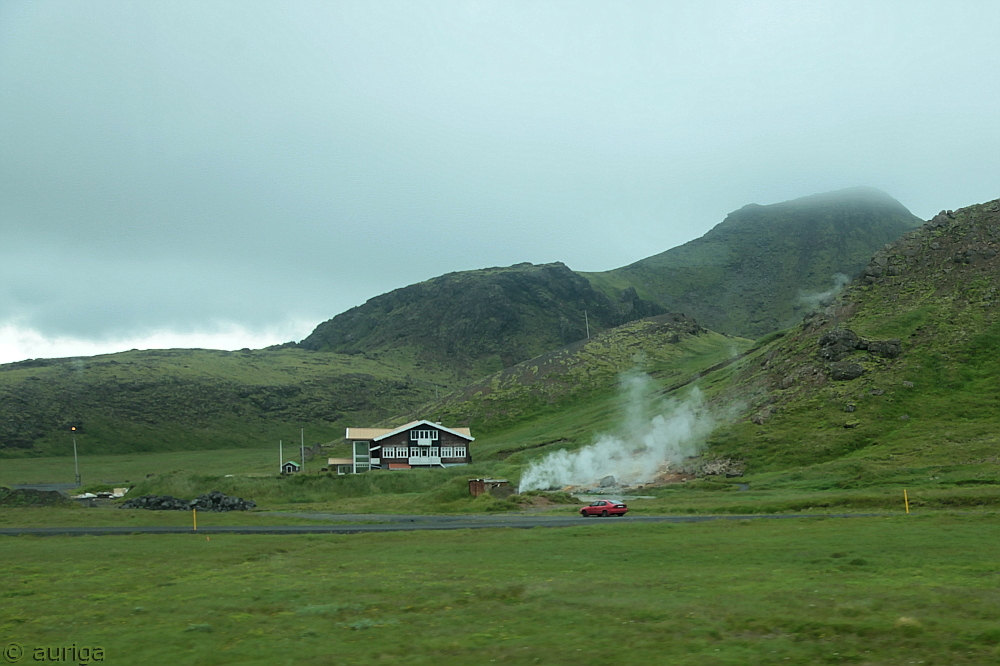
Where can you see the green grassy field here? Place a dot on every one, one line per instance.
(132, 468)
(852, 484)
(898, 590)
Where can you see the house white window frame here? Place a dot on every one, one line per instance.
(424, 435)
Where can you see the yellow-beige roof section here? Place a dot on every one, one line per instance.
(367, 433)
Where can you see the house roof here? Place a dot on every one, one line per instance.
(340, 461)
(290, 462)
(366, 433)
(377, 434)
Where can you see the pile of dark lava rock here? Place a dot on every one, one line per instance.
(213, 501)
(30, 497)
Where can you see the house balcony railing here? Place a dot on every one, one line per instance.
(425, 460)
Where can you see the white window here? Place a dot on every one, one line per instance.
(414, 451)
(360, 451)
(424, 434)
(459, 451)
(447, 451)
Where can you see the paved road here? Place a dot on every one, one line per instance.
(389, 523)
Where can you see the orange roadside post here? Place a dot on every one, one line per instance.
(906, 500)
(194, 517)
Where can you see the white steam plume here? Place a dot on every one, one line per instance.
(653, 432)
(816, 300)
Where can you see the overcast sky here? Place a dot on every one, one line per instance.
(229, 174)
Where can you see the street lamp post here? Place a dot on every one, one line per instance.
(76, 460)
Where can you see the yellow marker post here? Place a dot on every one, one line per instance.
(194, 517)
(906, 500)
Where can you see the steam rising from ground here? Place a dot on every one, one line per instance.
(654, 431)
(816, 300)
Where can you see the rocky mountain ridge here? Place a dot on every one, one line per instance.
(764, 267)
(759, 270)
(477, 322)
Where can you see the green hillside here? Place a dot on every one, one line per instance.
(183, 399)
(764, 267)
(523, 328)
(670, 348)
(476, 322)
(922, 326)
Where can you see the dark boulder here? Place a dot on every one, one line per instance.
(884, 348)
(837, 343)
(846, 370)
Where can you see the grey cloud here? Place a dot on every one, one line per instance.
(165, 165)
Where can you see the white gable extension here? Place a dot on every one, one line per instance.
(417, 424)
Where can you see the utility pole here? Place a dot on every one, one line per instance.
(76, 460)
(302, 446)
(281, 457)
(587, 322)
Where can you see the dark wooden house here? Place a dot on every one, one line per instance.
(416, 444)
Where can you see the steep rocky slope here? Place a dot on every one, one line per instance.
(903, 370)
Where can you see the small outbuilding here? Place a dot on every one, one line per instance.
(342, 465)
(495, 487)
(289, 467)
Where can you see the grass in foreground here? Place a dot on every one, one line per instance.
(861, 591)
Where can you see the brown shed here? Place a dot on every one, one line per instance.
(495, 487)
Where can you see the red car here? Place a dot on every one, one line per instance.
(604, 508)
